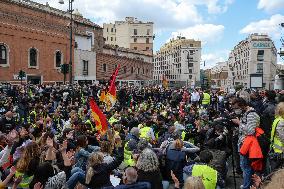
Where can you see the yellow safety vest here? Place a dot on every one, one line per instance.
(206, 99)
(26, 180)
(144, 133)
(208, 175)
(112, 120)
(89, 122)
(128, 161)
(183, 135)
(276, 143)
(191, 140)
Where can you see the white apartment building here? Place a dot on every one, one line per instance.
(84, 56)
(131, 34)
(219, 75)
(254, 55)
(178, 61)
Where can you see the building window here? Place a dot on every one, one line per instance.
(124, 69)
(135, 31)
(148, 31)
(58, 59)
(147, 48)
(190, 64)
(111, 30)
(107, 29)
(259, 68)
(132, 70)
(135, 40)
(3, 54)
(191, 45)
(33, 58)
(135, 48)
(107, 38)
(260, 54)
(104, 67)
(190, 71)
(111, 39)
(85, 67)
(147, 40)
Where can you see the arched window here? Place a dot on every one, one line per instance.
(3, 54)
(33, 57)
(58, 59)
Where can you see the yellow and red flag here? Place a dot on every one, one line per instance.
(110, 97)
(99, 117)
(165, 82)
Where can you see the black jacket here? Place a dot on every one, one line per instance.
(153, 177)
(101, 177)
(267, 116)
(175, 161)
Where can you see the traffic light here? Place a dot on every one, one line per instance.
(64, 68)
(22, 74)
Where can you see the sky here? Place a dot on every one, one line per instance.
(219, 24)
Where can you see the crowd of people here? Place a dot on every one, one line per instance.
(156, 138)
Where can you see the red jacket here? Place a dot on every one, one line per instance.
(252, 150)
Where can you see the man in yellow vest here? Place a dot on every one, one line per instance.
(277, 158)
(132, 140)
(146, 131)
(205, 102)
(210, 177)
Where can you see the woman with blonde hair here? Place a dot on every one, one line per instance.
(28, 163)
(277, 138)
(98, 172)
(190, 182)
(193, 183)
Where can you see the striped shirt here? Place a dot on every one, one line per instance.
(249, 122)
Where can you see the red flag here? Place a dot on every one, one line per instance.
(112, 87)
(110, 97)
(99, 117)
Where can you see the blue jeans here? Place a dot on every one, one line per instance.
(247, 172)
(77, 175)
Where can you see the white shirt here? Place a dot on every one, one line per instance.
(195, 96)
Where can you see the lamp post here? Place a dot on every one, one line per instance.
(70, 10)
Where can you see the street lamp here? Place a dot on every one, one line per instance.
(70, 10)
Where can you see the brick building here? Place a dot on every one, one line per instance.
(132, 71)
(219, 75)
(33, 38)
